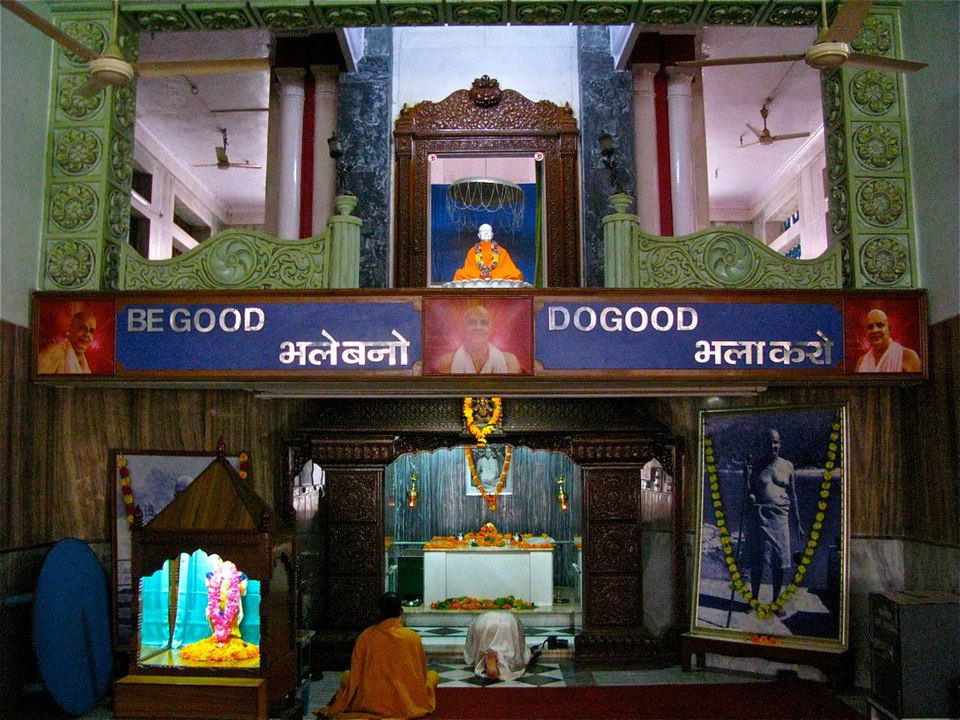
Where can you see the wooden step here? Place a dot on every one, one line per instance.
(190, 698)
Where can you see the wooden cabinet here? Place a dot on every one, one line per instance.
(915, 653)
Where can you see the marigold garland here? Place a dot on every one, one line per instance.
(481, 433)
(485, 270)
(488, 537)
(491, 499)
(766, 610)
(126, 490)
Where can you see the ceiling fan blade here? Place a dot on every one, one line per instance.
(714, 62)
(246, 166)
(222, 154)
(755, 130)
(877, 62)
(846, 25)
(791, 136)
(48, 29)
(166, 68)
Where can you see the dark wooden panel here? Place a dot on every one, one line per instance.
(613, 601)
(932, 427)
(614, 495)
(613, 548)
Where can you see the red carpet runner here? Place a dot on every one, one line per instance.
(735, 701)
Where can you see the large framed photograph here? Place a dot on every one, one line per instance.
(772, 533)
(150, 479)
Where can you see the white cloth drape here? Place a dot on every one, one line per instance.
(502, 632)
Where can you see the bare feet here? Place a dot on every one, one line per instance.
(490, 667)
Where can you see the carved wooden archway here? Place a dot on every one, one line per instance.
(486, 120)
(344, 538)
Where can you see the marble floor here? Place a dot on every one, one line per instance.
(555, 667)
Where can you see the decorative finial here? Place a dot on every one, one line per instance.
(221, 448)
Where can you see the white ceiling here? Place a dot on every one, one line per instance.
(733, 96)
(189, 123)
(186, 114)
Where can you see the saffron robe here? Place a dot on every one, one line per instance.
(890, 361)
(388, 676)
(61, 358)
(505, 269)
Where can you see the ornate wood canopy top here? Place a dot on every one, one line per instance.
(487, 120)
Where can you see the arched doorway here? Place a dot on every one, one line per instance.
(632, 536)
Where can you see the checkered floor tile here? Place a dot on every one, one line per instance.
(454, 674)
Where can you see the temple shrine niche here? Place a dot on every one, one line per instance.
(214, 604)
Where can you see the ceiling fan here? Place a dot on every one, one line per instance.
(831, 48)
(110, 68)
(764, 137)
(223, 162)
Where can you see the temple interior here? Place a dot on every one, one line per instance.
(491, 305)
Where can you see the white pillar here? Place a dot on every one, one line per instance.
(645, 150)
(324, 123)
(291, 146)
(813, 209)
(680, 111)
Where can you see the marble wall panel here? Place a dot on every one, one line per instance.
(606, 105)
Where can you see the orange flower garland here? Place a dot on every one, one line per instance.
(491, 499)
(125, 489)
(481, 433)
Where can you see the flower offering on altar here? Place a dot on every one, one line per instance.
(489, 537)
(226, 586)
(471, 603)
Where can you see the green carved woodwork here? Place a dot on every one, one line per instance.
(87, 209)
(89, 156)
(248, 260)
(715, 258)
(870, 206)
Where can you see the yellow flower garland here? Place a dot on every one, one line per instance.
(765, 610)
(481, 433)
(491, 499)
(126, 490)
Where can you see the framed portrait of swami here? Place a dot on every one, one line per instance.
(488, 467)
(884, 335)
(478, 335)
(772, 533)
(75, 337)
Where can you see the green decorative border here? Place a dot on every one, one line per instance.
(90, 139)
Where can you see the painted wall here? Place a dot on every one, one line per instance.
(930, 32)
(23, 140)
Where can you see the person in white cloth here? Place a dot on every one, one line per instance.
(496, 646)
(885, 353)
(69, 355)
(477, 354)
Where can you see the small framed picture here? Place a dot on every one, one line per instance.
(488, 466)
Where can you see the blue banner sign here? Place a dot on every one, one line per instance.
(744, 337)
(408, 340)
(291, 337)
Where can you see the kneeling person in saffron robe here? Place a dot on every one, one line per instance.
(388, 675)
(496, 646)
(487, 260)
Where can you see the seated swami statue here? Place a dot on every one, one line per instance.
(487, 260)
